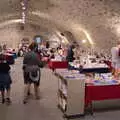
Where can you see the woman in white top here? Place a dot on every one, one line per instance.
(115, 56)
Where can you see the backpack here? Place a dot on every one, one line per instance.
(34, 75)
(33, 72)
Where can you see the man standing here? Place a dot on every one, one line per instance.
(70, 54)
(31, 68)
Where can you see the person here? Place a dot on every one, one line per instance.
(116, 58)
(31, 70)
(47, 44)
(70, 53)
(0, 48)
(52, 54)
(20, 53)
(5, 80)
(4, 47)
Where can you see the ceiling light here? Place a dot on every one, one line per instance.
(23, 14)
(23, 17)
(23, 8)
(23, 22)
(84, 41)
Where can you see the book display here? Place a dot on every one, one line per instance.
(76, 90)
(71, 91)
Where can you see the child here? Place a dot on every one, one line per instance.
(5, 80)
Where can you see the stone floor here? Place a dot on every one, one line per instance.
(45, 108)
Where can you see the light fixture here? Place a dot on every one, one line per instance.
(24, 4)
(84, 41)
(24, 8)
(23, 13)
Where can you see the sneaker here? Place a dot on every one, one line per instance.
(25, 101)
(8, 101)
(3, 100)
(28, 93)
(37, 97)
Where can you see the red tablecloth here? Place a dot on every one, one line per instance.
(58, 64)
(97, 93)
(8, 56)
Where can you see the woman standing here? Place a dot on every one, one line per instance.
(115, 51)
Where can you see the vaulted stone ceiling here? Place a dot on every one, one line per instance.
(98, 21)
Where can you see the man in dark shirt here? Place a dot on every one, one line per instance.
(31, 64)
(70, 54)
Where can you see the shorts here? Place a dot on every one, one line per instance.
(4, 87)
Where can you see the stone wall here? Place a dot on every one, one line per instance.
(12, 34)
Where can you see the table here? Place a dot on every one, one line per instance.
(93, 92)
(94, 70)
(98, 93)
(57, 64)
(91, 70)
(12, 53)
(9, 58)
(71, 92)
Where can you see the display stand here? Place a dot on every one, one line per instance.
(71, 93)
